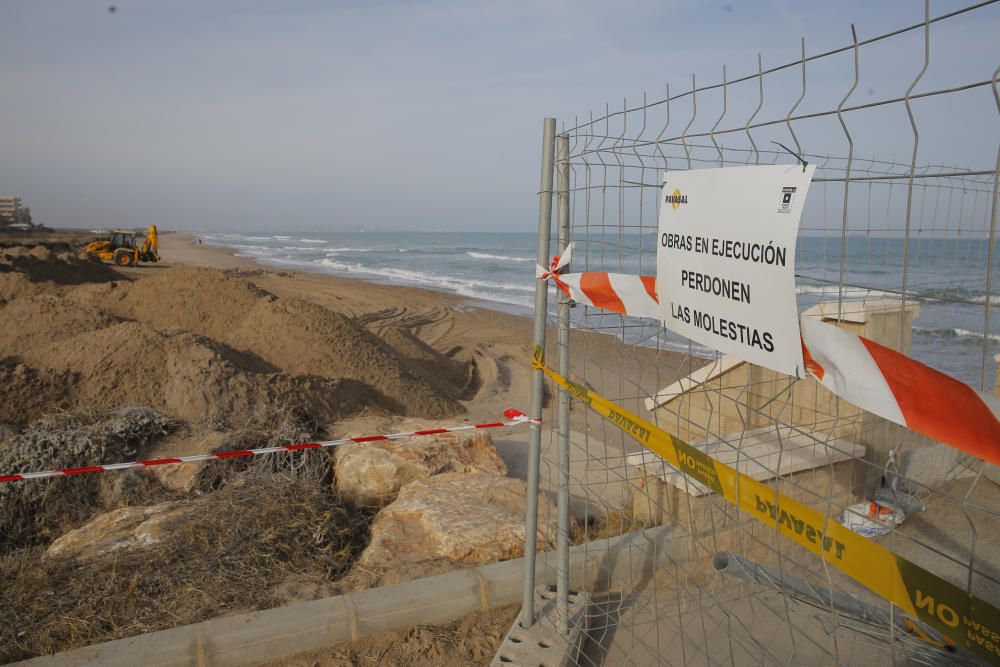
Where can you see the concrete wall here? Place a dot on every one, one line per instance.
(719, 405)
(744, 397)
(657, 503)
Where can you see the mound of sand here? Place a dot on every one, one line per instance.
(29, 393)
(186, 375)
(45, 318)
(14, 285)
(291, 335)
(197, 344)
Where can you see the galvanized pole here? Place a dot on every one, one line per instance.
(562, 531)
(538, 378)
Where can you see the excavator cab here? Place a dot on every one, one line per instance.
(121, 240)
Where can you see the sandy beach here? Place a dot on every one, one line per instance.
(453, 325)
(499, 343)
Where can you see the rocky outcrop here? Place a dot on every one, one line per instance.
(372, 474)
(125, 529)
(467, 518)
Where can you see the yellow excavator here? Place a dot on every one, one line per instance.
(123, 249)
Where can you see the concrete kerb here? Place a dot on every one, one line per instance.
(306, 626)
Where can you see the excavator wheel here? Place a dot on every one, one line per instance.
(123, 257)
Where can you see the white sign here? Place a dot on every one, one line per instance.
(725, 261)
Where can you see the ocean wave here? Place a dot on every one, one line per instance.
(335, 251)
(936, 294)
(251, 249)
(486, 255)
(453, 283)
(957, 294)
(834, 290)
(312, 240)
(955, 333)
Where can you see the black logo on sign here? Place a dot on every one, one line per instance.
(785, 205)
(676, 199)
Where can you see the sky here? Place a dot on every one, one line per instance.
(311, 116)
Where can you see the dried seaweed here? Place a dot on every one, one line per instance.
(271, 426)
(38, 511)
(239, 544)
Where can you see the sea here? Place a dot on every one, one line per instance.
(945, 277)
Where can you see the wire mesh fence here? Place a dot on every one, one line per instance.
(897, 244)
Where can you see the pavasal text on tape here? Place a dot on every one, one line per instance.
(958, 615)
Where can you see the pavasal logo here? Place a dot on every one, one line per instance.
(785, 205)
(676, 199)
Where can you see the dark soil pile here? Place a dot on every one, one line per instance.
(57, 264)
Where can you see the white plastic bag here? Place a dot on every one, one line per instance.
(873, 518)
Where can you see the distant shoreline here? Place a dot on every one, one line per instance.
(183, 248)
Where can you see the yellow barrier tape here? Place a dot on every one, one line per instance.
(916, 591)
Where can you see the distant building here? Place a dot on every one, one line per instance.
(13, 214)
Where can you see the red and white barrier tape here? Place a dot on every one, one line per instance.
(617, 292)
(904, 391)
(871, 376)
(516, 417)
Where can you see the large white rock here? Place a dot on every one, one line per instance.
(468, 518)
(372, 473)
(125, 529)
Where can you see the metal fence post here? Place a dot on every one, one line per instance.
(537, 379)
(562, 530)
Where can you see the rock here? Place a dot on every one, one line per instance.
(466, 518)
(372, 473)
(125, 529)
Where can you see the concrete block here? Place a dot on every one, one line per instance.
(542, 645)
(649, 502)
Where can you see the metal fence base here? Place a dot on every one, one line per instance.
(542, 643)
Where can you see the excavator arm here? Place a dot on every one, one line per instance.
(150, 250)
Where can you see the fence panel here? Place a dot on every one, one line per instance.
(896, 244)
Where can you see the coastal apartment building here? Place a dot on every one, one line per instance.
(13, 213)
